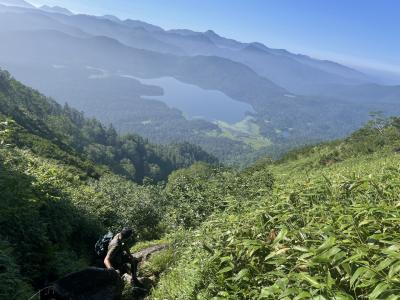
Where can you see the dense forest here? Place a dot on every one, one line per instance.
(323, 222)
(41, 119)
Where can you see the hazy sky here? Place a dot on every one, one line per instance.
(358, 32)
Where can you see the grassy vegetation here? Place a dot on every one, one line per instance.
(246, 131)
(321, 223)
(329, 229)
(157, 263)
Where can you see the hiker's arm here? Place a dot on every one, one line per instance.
(107, 262)
(111, 253)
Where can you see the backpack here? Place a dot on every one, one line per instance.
(101, 246)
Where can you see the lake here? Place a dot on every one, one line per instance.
(196, 102)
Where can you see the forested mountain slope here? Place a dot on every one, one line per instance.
(42, 119)
(322, 222)
(65, 180)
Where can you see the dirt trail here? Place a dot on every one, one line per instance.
(145, 253)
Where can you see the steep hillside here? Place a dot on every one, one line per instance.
(64, 180)
(52, 212)
(45, 120)
(263, 232)
(328, 229)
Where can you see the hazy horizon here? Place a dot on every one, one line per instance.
(360, 34)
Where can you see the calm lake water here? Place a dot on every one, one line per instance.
(196, 102)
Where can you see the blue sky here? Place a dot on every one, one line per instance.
(363, 33)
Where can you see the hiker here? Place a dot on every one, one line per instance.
(119, 257)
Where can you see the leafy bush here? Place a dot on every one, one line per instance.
(117, 202)
(12, 284)
(193, 194)
(37, 217)
(324, 233)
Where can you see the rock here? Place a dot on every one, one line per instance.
(88, 284)
(144, 254)
(103, 284)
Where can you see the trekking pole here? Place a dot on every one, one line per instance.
(38, 293)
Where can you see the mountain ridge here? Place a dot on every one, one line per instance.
(56, 9)
(296, 99)
(17, 3)
(163, 35)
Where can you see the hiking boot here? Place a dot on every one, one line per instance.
(139, 291)
(136, 283)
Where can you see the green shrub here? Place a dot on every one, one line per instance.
(12, 284)
(158, 263)
(195, 193)
(117, 202)
(332, 233)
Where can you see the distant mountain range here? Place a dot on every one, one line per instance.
(295, 98)
(17, 3)
(56, 9)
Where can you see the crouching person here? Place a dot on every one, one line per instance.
(119, 257)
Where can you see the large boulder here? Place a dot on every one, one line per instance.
(89, 284)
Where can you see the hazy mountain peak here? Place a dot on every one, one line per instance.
(284, 52)
(260, 46)
(19, 3)
(211, 33)
(192, 36)
(111, 18)
(222, 41)
(141, 24)
(256, 48)
(184, 32)
(56, 9)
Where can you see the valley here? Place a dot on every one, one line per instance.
(293, 98)
(228, 169)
